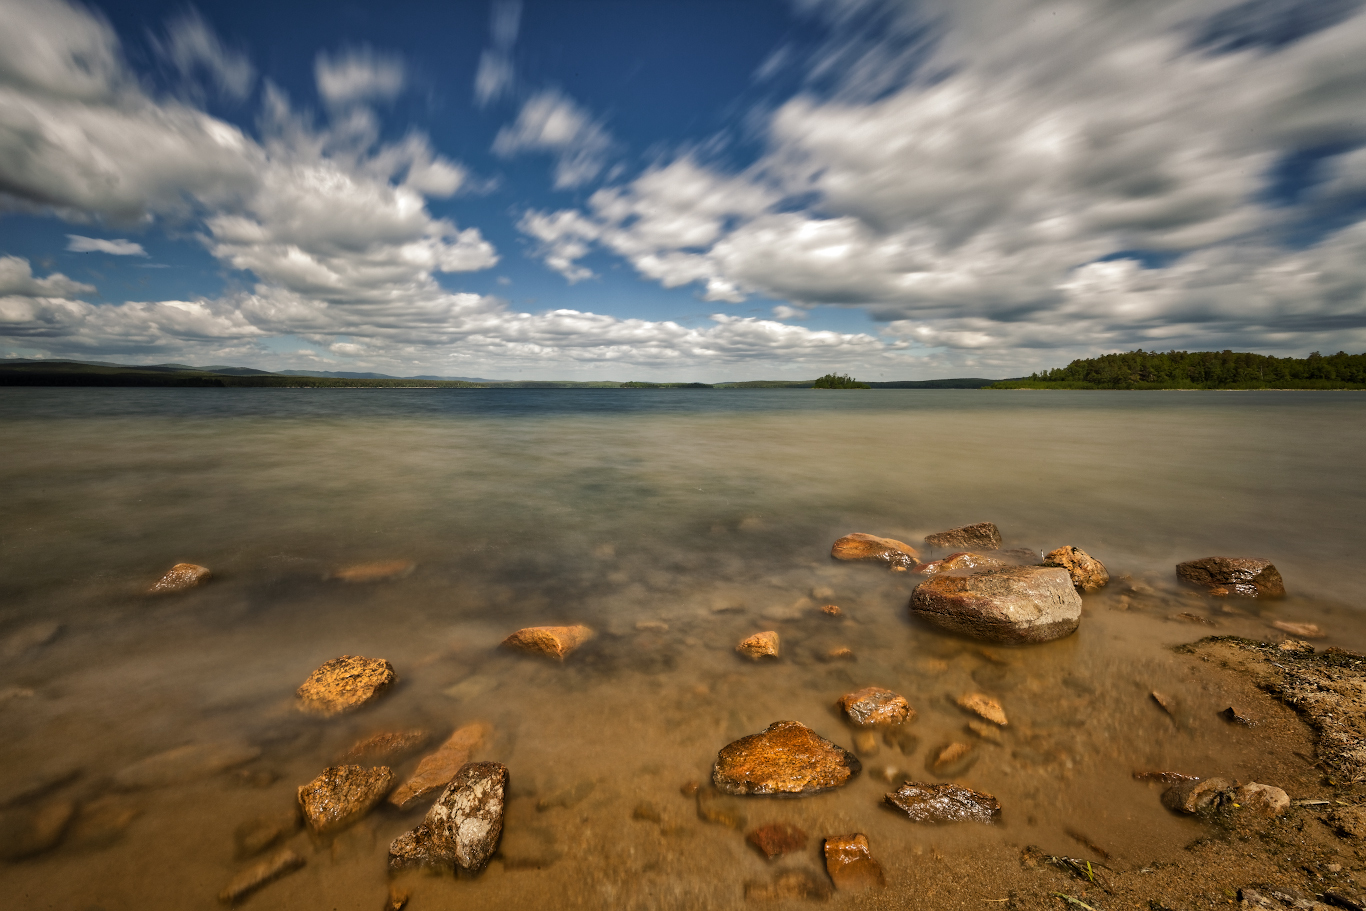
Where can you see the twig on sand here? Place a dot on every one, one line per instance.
(1075, 901)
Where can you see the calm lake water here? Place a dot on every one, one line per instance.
(674, 522)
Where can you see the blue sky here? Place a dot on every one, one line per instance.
(680, 191)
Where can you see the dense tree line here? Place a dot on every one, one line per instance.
(1205, 370)
(838, 381)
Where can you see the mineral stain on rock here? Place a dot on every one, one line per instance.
(341, 795)
(786, 759)
(345, 684)
(462, 828)
(939, 803)
(1023, 604)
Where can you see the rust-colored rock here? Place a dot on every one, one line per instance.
(551, 641)
(1196, 796)
(1233, 577)
(1023, 604)
(381, 571)
(786, 886)
(179, 578)
(260, 874)
(859, 546)
(1088, 574)
(788, 758)
(1298, 630)
(386, 748)
(943, 803)
(760, 645)
(344, 684)
(873, 706)
(462, 828)
(437, 769)
(777, 839)
(962, 562)
(1262, 799)
(982, 536)
(832, 610)
(984, 706)
(341, 795)
(850, 865)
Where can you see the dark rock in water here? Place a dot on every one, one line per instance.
(344, 684)
(873, 706)
(895, 554)
(382, 571)
(549, 641)
(386, 748)
(29, 830)
(1088, 574)
(982, 536)
(462, 828)
(1261, 799)
(1022, 604)
(786, 886)
(341, 795)
(850, 865)
(184, 763)
(179, 578)
(1236, 577)
(943, 803)
(776, 839)
(1349, 822)
(1196, 796)
(788, 758)
(437, 769)
(261, 874)
(715, 807)
(264, 832)
(760, 645)
(963, 562)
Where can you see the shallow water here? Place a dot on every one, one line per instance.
(709, 511)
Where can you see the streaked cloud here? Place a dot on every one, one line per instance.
(193, 47)
(496, 75)
(120, 247)
(358, 75)
(552, 122)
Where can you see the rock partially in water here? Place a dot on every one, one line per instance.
(873, 706)
(1088, 574)
(1233, 577)
(462, 828)
(943, 803)
(788, 758)
(386, 748)
(30, 830)
(380, 571)
(760, 645)
(1349, 822)
(264, 832)
(787, 886)
(850, 864)
(962, 562)
(1299, 630)
(776, 839)
(345, 684)
(184, 763)
(438, 769)
(984, 706)
(341, 795)
(179, 578)
(1262, 799)
(261, 874)
(982, 536)
(1196, 796)
(1024, 604)
(549, 641)
(859, 546)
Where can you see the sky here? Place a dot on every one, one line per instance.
(680, 190)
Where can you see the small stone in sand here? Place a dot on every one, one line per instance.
(647, 812)
(838, 654)
(550, 641)
(787, 758)
(988, 732)
(985, 706)
(713, 806)
(29, 830)
(652, 626)
(776, 839)
(689, 788)
(874, 706)
(850, 865)
(179, 578)
(760, 645)
(261, 874)
(865, 743)
(380, 571)
(344, 684)
(436, 769)
(1164, 702)
(1299, 630)
(341, 795)
(832, 610)
(943, 803)
(397, 900)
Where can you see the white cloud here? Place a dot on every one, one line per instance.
(17, 280)
(496, 75)
(120, 247)
(358, 75)
(191, 45)
(551, 122)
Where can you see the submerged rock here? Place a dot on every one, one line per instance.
(261, 874)
(32, 636)
(786, 886)
(715, 807)
(179, 578)
(1196, 796)
(850, 865)
(381, 571)
(950, 759)
(1236, 577)
(1298, 630)
(549, 641)
(760, 645)
(184, 763)
(264, 832)
(873, 706)
(943, 803)
(341, 795)
(983, 535)
(984, 706)
(841, 653)
(788, 758)
(1088, 574)
(29, 830)
(859, 546)
(462, 828)
(385, 748)
(345, 684)
(832, 610)
(962, 562)
(776, 839)
(1023, 604)
(437, 769)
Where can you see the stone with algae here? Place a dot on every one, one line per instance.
(787, 759)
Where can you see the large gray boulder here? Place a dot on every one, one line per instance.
(1020, 604)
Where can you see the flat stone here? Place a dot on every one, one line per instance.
(345, 684)
(873, 706)
(962, 562)
(380, 571)
(788, 758)
(1349, 821)
(787, 886)
(438, 769)
(30, 830)
(261, 874)
(462, 828)
(776, 839)
(1024, 604)
(1088, 574)
(1196, 796)
(760, 645)
(184, 763)
(263, 833)
(341, 795)
(386, 748)
(179, 578)
(943, 803)
(983, 535)
(549, 641)
(984, 706)
(1262, 799)
(851, 866)
(1299, 630)
(889, 551)
(1233, 577)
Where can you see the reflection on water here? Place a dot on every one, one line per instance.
(674, 522)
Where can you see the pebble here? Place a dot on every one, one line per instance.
(715, 807)
(652, 626)
(838, 654)
(1233, 716)
(1196, 796)
(786, 886)
(776, 839)
(850, 864)
(865, 743)
(179, 578)
(759, 645)
(950, 759)
(345, 684)
(102, 821)
(1262, 799)
(1164, 702)
(397, 899)
(943, 803)
(264, 832)
(832, 610)
(987, 731)
(874, 706)
(261, 874)
(29, 830)
(342, 795)
(987, 707)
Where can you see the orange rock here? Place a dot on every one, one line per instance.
(831, 609)
(851, 866)
(380, 571)
(786, 758)
(551, 641)
(760, 645)
(985, 706)
(179, 578)
(344, 684)
(859, 546)
(873, 706)
(437, 769)
(341, 795)
(1088, 574)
